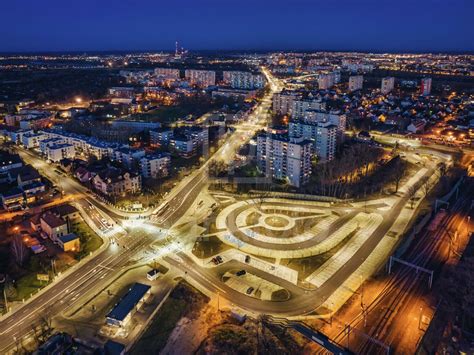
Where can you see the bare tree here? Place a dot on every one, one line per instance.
(425, 185)
(399, 172)
(19, 250)
(411, 193)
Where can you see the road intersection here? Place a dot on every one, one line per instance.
(127, 235)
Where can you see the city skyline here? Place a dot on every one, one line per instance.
(427, 26)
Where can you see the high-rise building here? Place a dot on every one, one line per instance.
(283, 157)
(356, 82)
(326, 81)
(322, 134)
(299, 107)
(425, 88)
(202, 78)
(170, 72)
(155, 166)
(388, 84)
(243, 80)
(283, 102)
(333, 117)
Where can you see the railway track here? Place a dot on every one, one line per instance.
(404, 284)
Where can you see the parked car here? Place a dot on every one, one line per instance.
(249, 290)
(247, 259)
(241, 272)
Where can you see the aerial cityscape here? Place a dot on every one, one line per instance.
(213, 178)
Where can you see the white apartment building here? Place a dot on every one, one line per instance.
(170, 72)
(282, 157)
(283, 102)
(32, 140)
(244, 80)
(45, 143)
(155, 166)
(332, 117)
(58, 152)
(322, 134)
(388, 85)
(356, 82)
(127, 156)
(299, 107)
(202, 78)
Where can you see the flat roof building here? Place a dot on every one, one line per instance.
(123, 311)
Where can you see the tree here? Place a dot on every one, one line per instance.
(399, 172)
(425, 185)
(411, 193)
(19, 250)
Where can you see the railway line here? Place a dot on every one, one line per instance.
(431, 250)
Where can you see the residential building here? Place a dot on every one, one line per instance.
(425, 87)
(69, 242)
(243, 80)
(322, 134)
(161, 137)
(128, 156)
(122, 92)
(155, 166)
(299, 107)
(32, 140)
(356, 82)
(58, 152)
(333, 117)
(284, 157)
(13, 199)
(114, 182)
(388, 84)
(202, 78)
(53, 226)
(45, 143)
(326, 81)
(26, 175)
(183, 145)
(9, 161)
(283, 102)
(170, 72)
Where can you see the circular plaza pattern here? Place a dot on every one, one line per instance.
(276, 222)
(279, 228)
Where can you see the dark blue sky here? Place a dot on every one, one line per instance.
(65, 25)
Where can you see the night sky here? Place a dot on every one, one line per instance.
(377, 25)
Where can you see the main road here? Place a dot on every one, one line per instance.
(97, 270)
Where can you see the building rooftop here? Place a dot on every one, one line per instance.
(128, 302)
(68, 238)
(52, 220)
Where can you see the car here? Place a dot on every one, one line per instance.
(214, 260)
(249, 290)
(219, 259)
(247, 259)
(241, 272)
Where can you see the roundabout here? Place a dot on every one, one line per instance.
(291, 229)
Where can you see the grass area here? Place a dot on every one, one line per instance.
(209, 246)
(89, 239)
(183, 301)
(27, 285)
